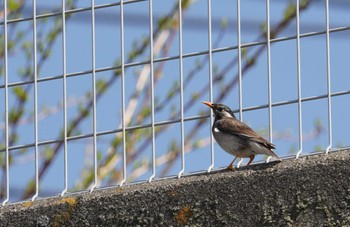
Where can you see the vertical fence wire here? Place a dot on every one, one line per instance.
(239, 163)
(152, 91)
(328, 80)
(65, 147)
(122, 74)
(300, 120)
(35, 74)
(93, 94)
(239, 49)
(210, 56)
(7, 196)
(182, 149)
(268, 43)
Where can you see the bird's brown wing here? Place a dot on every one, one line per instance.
(242, 130)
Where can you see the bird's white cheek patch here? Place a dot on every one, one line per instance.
(216, 130)
(227, 114)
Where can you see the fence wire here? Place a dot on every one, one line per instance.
(114, 165)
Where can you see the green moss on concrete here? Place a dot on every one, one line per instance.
(64, 215)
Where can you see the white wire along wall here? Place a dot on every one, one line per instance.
(106, 94)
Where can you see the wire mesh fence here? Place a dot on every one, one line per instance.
(100, 94)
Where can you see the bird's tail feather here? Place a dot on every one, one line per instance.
(273, 154)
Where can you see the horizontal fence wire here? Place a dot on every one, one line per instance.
(70, 11)
(192, 118)
(188, 55)
(122, 65)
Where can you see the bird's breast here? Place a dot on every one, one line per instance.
(230, 143)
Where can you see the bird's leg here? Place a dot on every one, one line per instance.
(251, 159)
(230, 167)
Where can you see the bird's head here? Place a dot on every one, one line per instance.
(220, 110)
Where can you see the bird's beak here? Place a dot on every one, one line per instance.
(208, 104)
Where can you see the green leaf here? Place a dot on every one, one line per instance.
(195, 95)
(83, 110)
(13, 5)
(101, 85)
(20, 35)
(145, 112)
(15, 115)
(173, 89)
(263, 27)
(164, 23)
(10, 44)
(25, 72)
(318, 148)
(20, 93)
(99, 155)
(48, 153)
(26, 45)
(28, 48)
(304, 3)
(289, 12)
(40, 46)
(186, 3)
(52, 35)
(244, 52)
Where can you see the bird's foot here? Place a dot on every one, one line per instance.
(230, 168)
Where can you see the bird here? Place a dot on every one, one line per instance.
(237, 138)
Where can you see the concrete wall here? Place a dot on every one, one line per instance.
(310, 191)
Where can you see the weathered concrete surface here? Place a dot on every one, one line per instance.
(310, 191)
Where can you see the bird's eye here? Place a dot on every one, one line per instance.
(220, 109)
